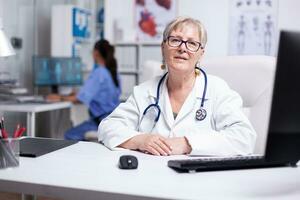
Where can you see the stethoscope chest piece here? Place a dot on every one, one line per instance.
(201, 114)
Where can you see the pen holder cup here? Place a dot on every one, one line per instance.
(9, 153)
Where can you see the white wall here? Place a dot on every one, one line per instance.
(289, 15)
(18, 22)
(213, 13)
(116, 10)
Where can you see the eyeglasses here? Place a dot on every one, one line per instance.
(189, 44)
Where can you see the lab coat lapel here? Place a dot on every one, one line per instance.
(166, 108)
(164, 102)
(192, 100)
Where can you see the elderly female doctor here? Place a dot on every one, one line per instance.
(184, 111)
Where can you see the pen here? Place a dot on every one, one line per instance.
(4, 133)
(21, 131)
(16, 133)
(2, 122)
(1, 136)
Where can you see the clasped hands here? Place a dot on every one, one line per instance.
(54, 97)
(158, 145)
(57, 98)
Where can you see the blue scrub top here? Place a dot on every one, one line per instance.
(99, 93)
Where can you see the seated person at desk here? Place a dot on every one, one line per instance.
(100, 92)
(184, 110)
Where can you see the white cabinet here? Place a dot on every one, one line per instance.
(130, 58)
(70, 26)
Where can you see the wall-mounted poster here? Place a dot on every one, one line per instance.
(253, 27)
(151, 17)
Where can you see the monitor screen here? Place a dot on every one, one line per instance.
(286, 97)
(52, 71)
(284, 128)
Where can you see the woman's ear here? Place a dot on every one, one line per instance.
(202, 51)
(162, 49)
(201, 54)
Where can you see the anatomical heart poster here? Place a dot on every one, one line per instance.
(152, 16)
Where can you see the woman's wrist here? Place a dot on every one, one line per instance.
(188, 147)
(132, 143)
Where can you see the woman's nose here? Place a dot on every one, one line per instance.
(182, 47)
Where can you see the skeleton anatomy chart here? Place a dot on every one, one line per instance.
(253, 27)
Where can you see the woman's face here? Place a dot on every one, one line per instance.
(180, 59)
(98, 58)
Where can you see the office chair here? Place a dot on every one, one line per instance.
(79, 113)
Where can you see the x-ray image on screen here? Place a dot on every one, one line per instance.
(55, 71)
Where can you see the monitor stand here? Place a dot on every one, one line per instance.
(65, 90)
(54, 89)
(61, 90)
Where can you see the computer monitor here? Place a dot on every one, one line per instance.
(57, 71)
(284, 129)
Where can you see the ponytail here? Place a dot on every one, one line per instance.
(107, 52)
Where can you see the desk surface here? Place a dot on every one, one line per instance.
(89, 171)
(28, 107)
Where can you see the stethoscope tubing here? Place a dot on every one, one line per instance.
(156, 105)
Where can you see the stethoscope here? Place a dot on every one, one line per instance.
(200, 113)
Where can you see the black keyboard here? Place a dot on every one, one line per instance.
(224, 163)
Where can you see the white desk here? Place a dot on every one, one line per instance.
(31, 110)
(89, 171)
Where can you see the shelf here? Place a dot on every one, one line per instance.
(129, 72)
(130, 57)
(137, 43)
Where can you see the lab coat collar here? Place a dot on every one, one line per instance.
(152, 90)
(166, 107)
(199, 86)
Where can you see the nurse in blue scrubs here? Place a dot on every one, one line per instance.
(100, 92)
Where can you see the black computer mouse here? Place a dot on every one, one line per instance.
(128, 162)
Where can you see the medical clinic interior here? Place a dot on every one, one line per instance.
(149, 99)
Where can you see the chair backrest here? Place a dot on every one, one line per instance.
(150, 68)
(79, 114)
(251, 76)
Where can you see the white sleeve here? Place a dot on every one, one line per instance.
(120, 125)
(233, 132)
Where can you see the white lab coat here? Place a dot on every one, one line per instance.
(224, 131)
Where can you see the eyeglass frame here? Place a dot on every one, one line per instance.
(183, 41)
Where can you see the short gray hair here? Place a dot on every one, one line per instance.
(181, 21)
